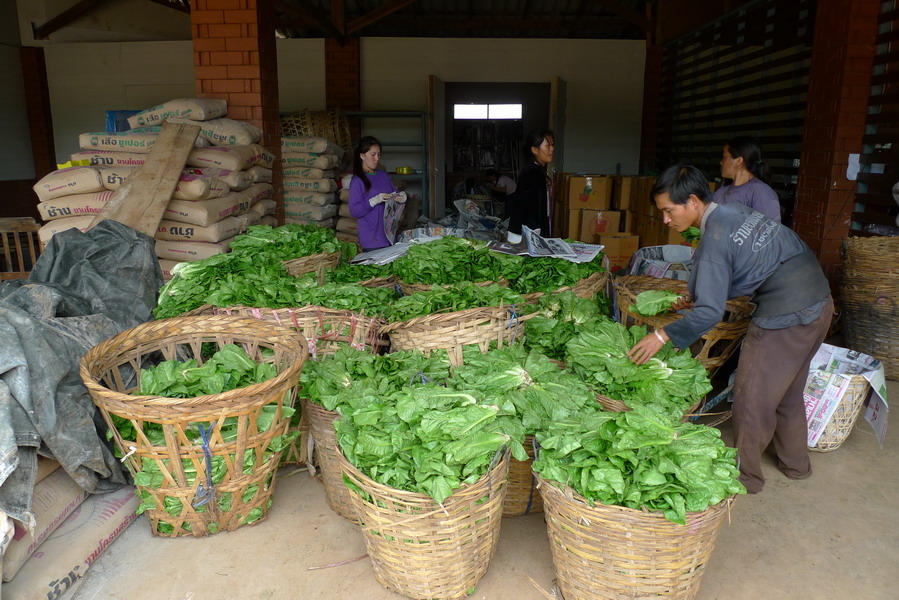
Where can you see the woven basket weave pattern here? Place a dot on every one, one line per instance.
(326, 455)
(845, 416)
(315, 263)
(716, 346)
(452, 331)
(607, 551)
(329, 124)
(522, 496)
(422, 549)
(107, 371)
(869, 290)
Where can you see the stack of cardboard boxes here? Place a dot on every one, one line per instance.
(613, 210)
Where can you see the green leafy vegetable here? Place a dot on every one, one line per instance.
(641, 458)
(450, 260)
(654, 302)
(560, 317)
(459, 296)
(691, 234)
(550, 274)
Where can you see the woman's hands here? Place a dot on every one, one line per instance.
(648, 347)
(399, 197)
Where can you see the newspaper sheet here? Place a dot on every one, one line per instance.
(532, 244)
(829, 375)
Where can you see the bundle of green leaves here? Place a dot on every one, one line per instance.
(654, 302)
(350, 273)
(560, 317)
(671, 381)
(549, 274)
(335, 379)
(290, 241)
(450, 259)
(640, 458)
(455, 297)
(427, 438)
(540, 390)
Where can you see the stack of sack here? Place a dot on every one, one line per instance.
(224, 188)
(310, 188)
(347, 226)
(70, 529)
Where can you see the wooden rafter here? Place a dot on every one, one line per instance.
(629, 15)
(376, 15)
(306, 12)
(338, 15)
(180, 5)
(65, 17)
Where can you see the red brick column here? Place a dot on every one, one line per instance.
(343, 88)
(235, 58)
(652, 82)
(837, 104)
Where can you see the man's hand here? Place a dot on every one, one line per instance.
(647, 347)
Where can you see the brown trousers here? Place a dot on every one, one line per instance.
(767, 401)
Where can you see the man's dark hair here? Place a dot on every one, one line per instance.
(680, 182)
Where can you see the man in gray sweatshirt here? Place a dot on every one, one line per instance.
(743, 253)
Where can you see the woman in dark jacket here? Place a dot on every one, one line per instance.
(531, 204)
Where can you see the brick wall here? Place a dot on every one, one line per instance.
(834, 124)
(343, 85)
(235, 58)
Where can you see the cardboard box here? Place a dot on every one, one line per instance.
(628, 221)
(598, 221)
(573, 226)
(623, 196)
(618, 248)
(589, 191)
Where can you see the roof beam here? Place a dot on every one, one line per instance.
(177, 5)
(513, 27)
(629, 15)
(311, 14)
(338, 15)
(376, 15)
(64, 18)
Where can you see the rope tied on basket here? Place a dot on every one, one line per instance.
(313, 347)
(205, 495)
(513, 321)
(424, 378)
(527, 509)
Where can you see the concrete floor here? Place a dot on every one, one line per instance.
(834, 536)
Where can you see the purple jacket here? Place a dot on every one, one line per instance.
(755, 194)
(371, 220)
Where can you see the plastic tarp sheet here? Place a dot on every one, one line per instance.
(85, 288)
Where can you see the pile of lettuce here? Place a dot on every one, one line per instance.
(550, 274)
(450, 259)
(229, 368)
(560, 317)
(671, 381)
(455, 297)
(253, 273)
(640, 458)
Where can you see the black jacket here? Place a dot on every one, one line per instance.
(529, 204)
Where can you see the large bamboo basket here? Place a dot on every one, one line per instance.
(522, 496)
(330, 124)
(606, 551)
(869, 287)
(326, 455)
(411, 288)
(454, 330)
(587, 287)
(325, 330)
(389, 281)
(715, 347)
(317, 263)
(422, 549)
(844, 417)
(110, 371)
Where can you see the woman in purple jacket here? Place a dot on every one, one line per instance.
(741, 162)
(369, 190)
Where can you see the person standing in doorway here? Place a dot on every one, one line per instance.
(531, 204)
(741, 162)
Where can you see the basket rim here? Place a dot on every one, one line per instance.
(314, 309)
(213, 402)
(569, 493)
(478, 312)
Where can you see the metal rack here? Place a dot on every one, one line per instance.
(421, 143)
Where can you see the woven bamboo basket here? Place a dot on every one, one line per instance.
(869, 288)
(325, 329)
(315, 263)
(326, 455)
(845, 416)
(606, 551)
(715, 347)
(296, 453)
(379, 282)
(587, 288)
(108, 371)
(422, 549)
(452, 331)
(206, 309)
(411, 288)
(329, 124)
(522, 497)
